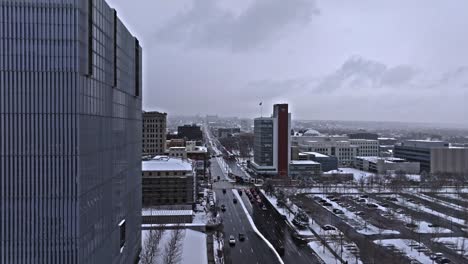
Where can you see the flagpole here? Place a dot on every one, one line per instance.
(261, 109)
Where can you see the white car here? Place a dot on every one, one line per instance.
(232, 240)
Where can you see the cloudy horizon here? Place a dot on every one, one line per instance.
(329, 59)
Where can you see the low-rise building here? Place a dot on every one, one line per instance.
(166, 216)
(450, 161)
(341, 147)
(300, 169)
(227, 132)
(190, 132)
(366, 147)
(419, 151)
(383, 165)
(177, 152)
(327, 163)
(168, 181)
(200, 156)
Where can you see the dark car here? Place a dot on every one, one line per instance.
(224, 190)
(223, 208)
(337, 211)
(327, 204)
(444, 261)
(234, 200)
(328, 228)
(240, 192)
(219, 178)
(241, 237)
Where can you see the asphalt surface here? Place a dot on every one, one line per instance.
(276, 230)
(253, 249)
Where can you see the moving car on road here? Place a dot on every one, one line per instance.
(223, 208)
(224, 191)
(232, 240)
(234, 200)
(241, 237)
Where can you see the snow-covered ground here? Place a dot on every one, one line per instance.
(403, 245)
(453, 196)
(218, 246)
(420, 207)
(193, 246)
(459, 244)
(357, 222)
(436, 200)
(323, 252)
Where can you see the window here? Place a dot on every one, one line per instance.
(122, 226)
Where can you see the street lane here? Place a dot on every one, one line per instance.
(253, 249)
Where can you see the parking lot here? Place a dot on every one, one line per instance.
(411, 226)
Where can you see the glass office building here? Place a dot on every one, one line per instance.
(70, 134)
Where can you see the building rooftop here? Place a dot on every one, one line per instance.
(165, 163)
(316, 154)
(160, 212)
(303, 162)
(386, 159)
(197, 149)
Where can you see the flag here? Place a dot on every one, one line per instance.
(260, 103)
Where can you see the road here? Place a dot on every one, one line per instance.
(274, 228)
(253, 249)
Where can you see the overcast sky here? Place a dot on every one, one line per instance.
(394, 60)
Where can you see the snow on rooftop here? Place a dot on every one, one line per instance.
(357, 174)
(193, 246)
(316, 154)
(303, 162)
(165, 163)
(157, 212)
(374, 159)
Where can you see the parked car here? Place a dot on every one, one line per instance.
(337, 211)
(240, 192)
(360, 213)
(234, 200)
(328, 228)
(362, 200)
(364, 196)
(444, 261)
(264, 208)
(384, 205)
(327, 204)
(232, 240)
(372, 205)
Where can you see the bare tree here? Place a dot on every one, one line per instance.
(151, 246)
(173, 250)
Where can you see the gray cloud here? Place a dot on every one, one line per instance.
(361, 73)
(207, 25)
